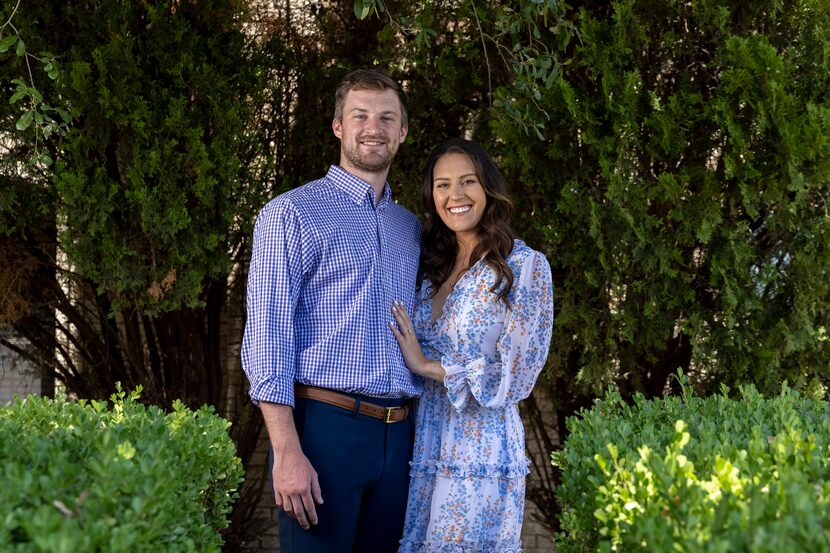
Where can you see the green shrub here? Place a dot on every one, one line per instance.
(697, 474)
(89, 476)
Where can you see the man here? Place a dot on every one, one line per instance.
(329, 260)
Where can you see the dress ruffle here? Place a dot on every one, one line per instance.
(465, 470)
(454, 547)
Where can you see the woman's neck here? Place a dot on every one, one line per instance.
(466, 244)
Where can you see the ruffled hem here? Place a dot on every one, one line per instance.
(455, 547)
(458, 470)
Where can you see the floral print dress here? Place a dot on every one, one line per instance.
(468, 468)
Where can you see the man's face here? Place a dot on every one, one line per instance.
(370, 131)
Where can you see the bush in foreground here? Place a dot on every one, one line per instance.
(697, 474)
(93, 476)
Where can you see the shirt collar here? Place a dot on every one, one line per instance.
(356, 188)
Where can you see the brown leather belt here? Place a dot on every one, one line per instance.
(386, 414)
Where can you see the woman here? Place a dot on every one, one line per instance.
(479, 336)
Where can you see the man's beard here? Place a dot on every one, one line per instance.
(371, 162)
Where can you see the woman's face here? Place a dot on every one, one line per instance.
(458, 194)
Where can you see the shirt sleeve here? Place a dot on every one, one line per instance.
(522, 346)
(274, 281)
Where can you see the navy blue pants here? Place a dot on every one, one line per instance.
(363, 467)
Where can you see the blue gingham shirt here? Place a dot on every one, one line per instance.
(326, 266)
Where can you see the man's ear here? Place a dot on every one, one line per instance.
(404, 132)
(337, 127)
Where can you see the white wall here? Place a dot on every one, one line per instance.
(16, 377)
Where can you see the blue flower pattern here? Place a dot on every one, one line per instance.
(468, 468)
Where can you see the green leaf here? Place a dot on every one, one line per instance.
(362, 8)
(21, 48)
(17, 96)
(7, 43)
(64, 115)
(24, 121)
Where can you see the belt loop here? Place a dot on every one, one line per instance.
(356, 410)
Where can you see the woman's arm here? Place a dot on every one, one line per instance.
(521, 347)
(410, 348)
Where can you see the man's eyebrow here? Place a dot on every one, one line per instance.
(364, 110)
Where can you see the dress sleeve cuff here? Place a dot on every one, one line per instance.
(458, 378)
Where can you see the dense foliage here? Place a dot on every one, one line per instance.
(682, 186)
(693, 474)
(119, 477)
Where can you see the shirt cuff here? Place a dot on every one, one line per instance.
(273, 390)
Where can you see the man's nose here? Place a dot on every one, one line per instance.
(372, 124)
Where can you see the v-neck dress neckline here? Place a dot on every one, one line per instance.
(433, 321)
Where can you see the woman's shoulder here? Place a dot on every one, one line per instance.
(521, 254)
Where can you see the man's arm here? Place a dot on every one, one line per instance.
(296, 487)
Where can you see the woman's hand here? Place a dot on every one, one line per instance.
(410, 348)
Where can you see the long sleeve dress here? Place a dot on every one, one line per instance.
(468, 468)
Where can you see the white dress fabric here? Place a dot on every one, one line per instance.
(469, 464)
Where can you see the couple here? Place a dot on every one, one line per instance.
(335, 359)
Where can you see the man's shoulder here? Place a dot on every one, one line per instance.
(297, 199)
(304, 193)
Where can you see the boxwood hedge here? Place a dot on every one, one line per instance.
(686, 473)
(113, 477)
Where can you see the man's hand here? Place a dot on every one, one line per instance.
(296, 488)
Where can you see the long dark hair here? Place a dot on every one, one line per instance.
(440, 246)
